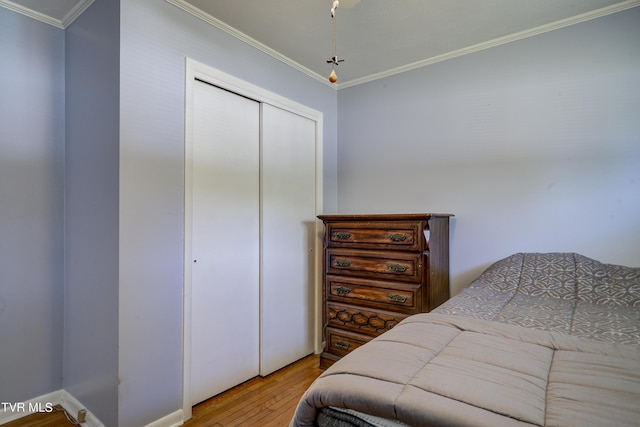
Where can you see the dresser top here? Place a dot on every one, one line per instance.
(382, 217)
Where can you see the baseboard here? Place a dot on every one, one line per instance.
(11, 411)
(73, 405)
(174, 419)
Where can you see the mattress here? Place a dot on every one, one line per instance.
(585, 313)
(562, 292)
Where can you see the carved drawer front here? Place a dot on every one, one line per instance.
(404, 236)
(360, 319)
(340, 342)
(375, 264)
(386, 295)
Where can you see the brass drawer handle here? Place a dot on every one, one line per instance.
(342, 235)
(343, 345)
(397, 268)
(397, 237)
(397, 298)
(343, 263)
(341, 290)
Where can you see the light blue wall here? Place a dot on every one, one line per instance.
(156, 38)
(114, 331)
(91, 210)
(533, 145)
(31, 206)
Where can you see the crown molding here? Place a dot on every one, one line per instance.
(423, 63)
(76, 11)
(62, 24)
(84, 4)
(497, 42)
(245, 38)
(31, 13)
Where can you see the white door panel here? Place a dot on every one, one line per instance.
(253, 188)
(225, 241)
(288, 224)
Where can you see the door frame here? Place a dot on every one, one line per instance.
(197, 70)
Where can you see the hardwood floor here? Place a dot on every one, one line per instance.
(57, 418)
(263, 402)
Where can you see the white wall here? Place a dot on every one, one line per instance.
(533, 145)
(31, 206)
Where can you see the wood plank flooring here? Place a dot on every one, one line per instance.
(57, 418)
(263, 402)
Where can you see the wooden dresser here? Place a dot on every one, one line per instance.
(378, 270)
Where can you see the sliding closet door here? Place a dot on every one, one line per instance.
(288, 217)
(225, 241)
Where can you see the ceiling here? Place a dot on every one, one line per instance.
(376, 38)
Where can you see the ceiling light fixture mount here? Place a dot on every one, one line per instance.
(334, 61)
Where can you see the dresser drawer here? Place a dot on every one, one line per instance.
(375, 264)
(405, 236)
(342, 342)
(394, 296)
(378, 270)
(360, 319)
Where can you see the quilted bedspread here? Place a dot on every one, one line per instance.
(563, 292)
(443, 370)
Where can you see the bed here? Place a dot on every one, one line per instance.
(548, 339)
